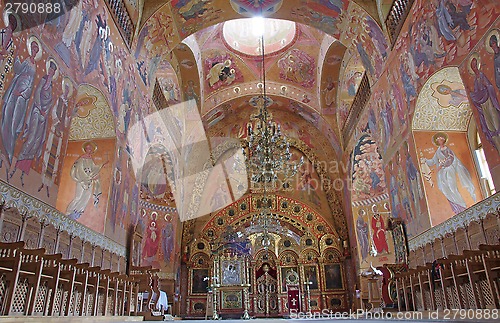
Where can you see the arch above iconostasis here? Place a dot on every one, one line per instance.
(298, 218)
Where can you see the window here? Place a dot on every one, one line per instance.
(484, 170)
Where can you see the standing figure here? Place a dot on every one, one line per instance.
(493, 42)
(60, 120)
(362, 231)
(85, 172)
(394, 191)
(152, 241)
(414, 181)
(36, 122)
(7, 47)
(448, 167)
(486, 102)
(15, 100)
(378, 236)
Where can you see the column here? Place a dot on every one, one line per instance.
(2, 215)
(467, 239)
(443, 250)
(455, 242)
(22, 231)
(82, 254)
(483, 231)
(93, 255)
(70, 247)
(43, 225)
(58, 236)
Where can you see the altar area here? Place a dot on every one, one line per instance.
(234, 273)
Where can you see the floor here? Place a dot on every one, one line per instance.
(434, 316)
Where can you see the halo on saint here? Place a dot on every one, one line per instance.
(495, 33)
(437, 135)
(47, 66)
(31, 40)
(89, 143)
(469, 60)
(66, 82)
(9, 12)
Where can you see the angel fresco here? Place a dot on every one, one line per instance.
(298, 67)
(221, 71)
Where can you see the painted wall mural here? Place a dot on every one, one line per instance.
(352, 71)
(370, 204)
(375, 244)
(406, 190)
(481, 75)
(298, 67)
(442, 103)
(323, 15)
(83, 193)
(254, 8)
(41, 69)
(451, 182)
(368, 175)
(220, 70)
(161, 237)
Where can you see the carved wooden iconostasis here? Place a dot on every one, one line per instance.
(231, 259)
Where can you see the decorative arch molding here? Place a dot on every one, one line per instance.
(243, 210)
(292, 254)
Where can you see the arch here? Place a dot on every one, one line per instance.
(93, 117)
(443, 110)
(442, 104)
(243, 216)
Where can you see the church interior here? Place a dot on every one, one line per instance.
(196, 159)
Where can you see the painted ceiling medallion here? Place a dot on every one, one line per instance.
(251, 8)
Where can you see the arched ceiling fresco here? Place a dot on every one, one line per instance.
(304, 69)
(92, 116)
(442, 103)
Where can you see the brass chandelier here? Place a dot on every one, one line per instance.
(269, 159)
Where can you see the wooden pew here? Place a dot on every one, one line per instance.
(10, 253)
(66, 283)
(80, 288)
(49, 278)
(31, 272)
(491, 262)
